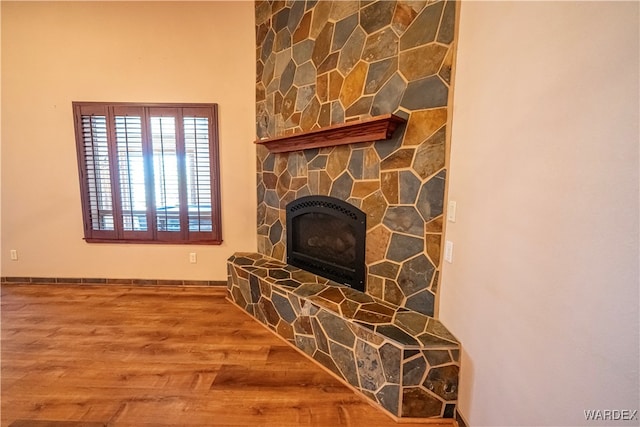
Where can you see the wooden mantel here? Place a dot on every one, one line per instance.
(367, 130)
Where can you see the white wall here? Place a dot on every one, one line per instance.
(54, 53)
(543, 288)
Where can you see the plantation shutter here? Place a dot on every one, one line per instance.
(149, 173)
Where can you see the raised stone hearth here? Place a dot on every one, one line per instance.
(403, 361)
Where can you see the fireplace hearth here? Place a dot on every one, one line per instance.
(326, 236)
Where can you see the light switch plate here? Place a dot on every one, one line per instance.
(451, 211)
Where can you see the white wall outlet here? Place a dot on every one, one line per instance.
(193, 258)
(448, 251)
(451, 211)
(14, 255)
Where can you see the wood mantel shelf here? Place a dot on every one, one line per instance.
(367, 130)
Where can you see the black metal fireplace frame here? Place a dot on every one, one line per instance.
(349, 214)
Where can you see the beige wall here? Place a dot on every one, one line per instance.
(543, 288)
(54, 53)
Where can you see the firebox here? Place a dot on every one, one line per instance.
(326, 236)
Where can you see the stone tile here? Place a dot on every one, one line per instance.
(262, 12)
(423, 28)
(337, 113)
(403, 247)
(335, 85)
(286, 79)
(433, 247)
(341, 188)
(419, 403)
(343, 30)
(310, 114)
(348, 308)
(322, 46)
(345, 361)
(412, 322)
(362, 189)
(415, 275)
(431, 197)
(371, 164)
(374, 206)
(436, 327)
(443, 381)
(392, 292)
(389, 397)
(326, 361)
(356, 165)
(361, 107)
(336, 329)
(283, 40)
(413, 372)
(381, 45)
(324, 118)
(390, 356)
(302, 31)
(422, 61)
(399, 159)
(289, 102)
(376, 15)
(295, 15)
(389, 185)
(285, 330)
(375, 286)
(447, 24)
(422, 302)
(267, 46)
(305, 95)
(283, 307)
(377, 243)
(351, 52)
(324, 185)
(320, 17)
(306, 344)
(353, 84)
(385, 269)
(267, 308)
(305, 75)
(430, 92)
(379, 73)
(423, 124)
(385, 148)
(318, 333)
(338, 160)
(301, 52)
(329, 63)
(396, 334)
(445, 70)
(309, 289)
(369, 365)
(281, 19)
(388, 98)
(409, 186)
(404, 219)
(403, 17)
(437, 357)
(254, 287)
(371, 318)
(342, 9)
(332, 294)
(430, 156)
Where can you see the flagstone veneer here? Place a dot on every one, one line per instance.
(402, 360)
(322, 63)
(329, 62)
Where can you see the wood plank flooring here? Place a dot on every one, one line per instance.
(158, 356)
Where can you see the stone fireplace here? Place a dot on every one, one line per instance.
(326, 236)
(322, 64)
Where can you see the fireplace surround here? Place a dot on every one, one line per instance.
(326, 236)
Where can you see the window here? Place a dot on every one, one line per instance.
(149, 172)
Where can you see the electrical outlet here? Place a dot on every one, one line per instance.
(451, 211)
(448, 251)
(193, 258)
(14, 255)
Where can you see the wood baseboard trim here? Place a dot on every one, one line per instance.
(108, 281)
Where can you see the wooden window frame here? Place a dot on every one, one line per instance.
(182, 232)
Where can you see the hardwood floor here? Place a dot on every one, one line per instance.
(158, 356)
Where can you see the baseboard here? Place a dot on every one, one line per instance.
(109, 281)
